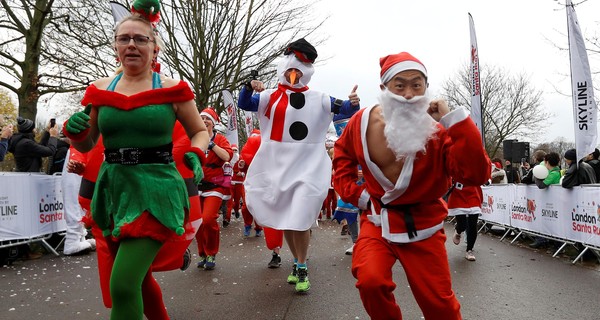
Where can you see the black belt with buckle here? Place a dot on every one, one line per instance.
(133, 156)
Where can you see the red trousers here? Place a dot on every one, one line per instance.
(208, 235)
(425, 264)
(273, 238)
(237, 194)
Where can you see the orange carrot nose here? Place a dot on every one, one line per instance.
(293, 76)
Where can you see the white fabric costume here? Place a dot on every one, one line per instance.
(75, 236)
(288, 179)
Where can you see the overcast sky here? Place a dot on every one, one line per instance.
(520, 36)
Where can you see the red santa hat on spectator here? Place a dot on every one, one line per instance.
(211, 114)
(395, 63)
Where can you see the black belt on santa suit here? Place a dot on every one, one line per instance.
(408, 218)
(132, 156)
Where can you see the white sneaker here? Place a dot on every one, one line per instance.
(456, 238)
(350, 250)
(470, 256)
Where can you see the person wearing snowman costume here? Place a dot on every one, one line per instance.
(288, 180)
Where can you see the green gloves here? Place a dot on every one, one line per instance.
(193, 162)
(78, 122)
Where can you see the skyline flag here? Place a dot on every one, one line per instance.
(584, 104)
(476, 112)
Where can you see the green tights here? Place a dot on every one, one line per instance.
(133, 260)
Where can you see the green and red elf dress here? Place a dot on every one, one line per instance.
(141, 199)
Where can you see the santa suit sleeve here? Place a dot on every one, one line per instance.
(467, 160)
(345, 163)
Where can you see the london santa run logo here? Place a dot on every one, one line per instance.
(50, 210)
(584, 218)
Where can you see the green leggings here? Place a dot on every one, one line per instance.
(133, 260)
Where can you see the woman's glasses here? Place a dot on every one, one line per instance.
(124, 40)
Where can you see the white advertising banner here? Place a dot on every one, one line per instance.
(585, 113)
(232, 123)
(582, 216)
(496, 204)
(474, 73)
(571, 214)
(31, 205)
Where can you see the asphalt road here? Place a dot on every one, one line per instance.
(507, 281)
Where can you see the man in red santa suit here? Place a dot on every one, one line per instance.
(464, 204)
(403, 213)
(213, 190)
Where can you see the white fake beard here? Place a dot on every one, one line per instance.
(408, 126)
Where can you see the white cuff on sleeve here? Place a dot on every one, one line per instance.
(455, 116)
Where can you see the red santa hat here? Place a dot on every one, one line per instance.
(211, 114)
(395, 63)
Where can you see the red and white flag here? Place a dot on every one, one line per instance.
(584, 105)
(249, 122)
(232, 126)
(476, 113)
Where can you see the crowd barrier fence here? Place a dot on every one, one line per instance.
(31, 209)
(566, 215)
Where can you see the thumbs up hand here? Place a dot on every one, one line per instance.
(353, 97)
(78, 122)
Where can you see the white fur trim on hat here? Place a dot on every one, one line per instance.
(210, 116)
(402, 66)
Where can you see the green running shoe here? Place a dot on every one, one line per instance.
(210, 263)
(303, 284)
(293, 277)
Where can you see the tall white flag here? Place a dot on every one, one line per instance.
(249, 122)
(476, 113)
(232, 126)
(584, 105)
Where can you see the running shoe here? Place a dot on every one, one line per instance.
(275, 261)
(210, 263)
(303, 284)
(293, 277)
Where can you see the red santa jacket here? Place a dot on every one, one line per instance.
(465, 200)
(239, 174)
(251, 147)
(213, 165)
(412, 209)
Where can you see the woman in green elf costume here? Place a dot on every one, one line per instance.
(140, 200)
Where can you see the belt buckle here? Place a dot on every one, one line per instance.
(130, 156)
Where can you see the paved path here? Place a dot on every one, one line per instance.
(506, 282)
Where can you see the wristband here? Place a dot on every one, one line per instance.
(211, 145)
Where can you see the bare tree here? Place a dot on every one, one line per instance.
(511, 106)
(52, 46)
(215, 44)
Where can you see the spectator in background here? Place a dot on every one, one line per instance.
(58, 160)
(592, 160)
(525, 167)
(498, 174)
(5, 134)
(537, 159)
(551, 161)
(577, 173)
(512, 173)
(28, 153)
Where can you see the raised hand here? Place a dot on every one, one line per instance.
(353, 97)
(79, 121)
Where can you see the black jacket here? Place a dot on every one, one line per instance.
(584, 174)
(596, 166)
(28, 153)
